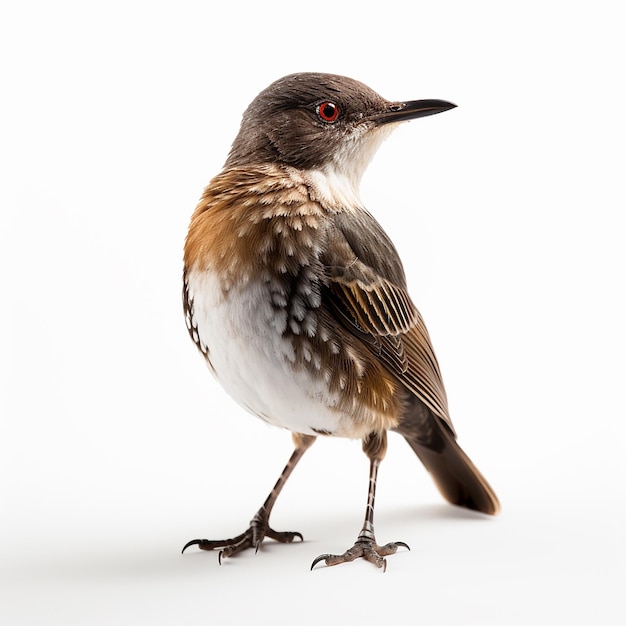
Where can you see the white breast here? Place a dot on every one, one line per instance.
(252, 359)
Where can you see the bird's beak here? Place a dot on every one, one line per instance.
(402, 111)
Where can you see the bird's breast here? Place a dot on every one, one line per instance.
(242, 335)
(255, 306)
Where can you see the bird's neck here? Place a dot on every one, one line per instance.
(337, 182)
(333, 188)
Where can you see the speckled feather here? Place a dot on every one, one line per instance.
(259, 232)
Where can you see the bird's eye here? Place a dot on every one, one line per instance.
(328, 111)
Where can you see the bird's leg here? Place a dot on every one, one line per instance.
(365, 546)
(259, 527)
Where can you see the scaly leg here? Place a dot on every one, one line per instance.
(365, 546)
(259, 527)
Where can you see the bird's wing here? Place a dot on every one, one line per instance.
(367, 291)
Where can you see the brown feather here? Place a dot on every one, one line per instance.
(374, 304)
(235, 231)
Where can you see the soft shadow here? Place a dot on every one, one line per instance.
(120, 562)
(433, 512)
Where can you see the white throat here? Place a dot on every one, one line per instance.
(337, 183)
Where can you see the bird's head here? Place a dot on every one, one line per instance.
(324, 122)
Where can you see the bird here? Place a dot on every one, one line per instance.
(297, 299)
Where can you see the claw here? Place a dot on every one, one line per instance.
(193, 542)
(321, 557)
(251, 538)
(367, 550)
(283, 537)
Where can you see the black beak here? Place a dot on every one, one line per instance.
(401, 111)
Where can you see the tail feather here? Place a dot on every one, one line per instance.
(456, 477)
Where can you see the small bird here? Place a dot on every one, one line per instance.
(298, 302)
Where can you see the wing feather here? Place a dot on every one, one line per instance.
(367, 289)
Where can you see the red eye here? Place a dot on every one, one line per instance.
(328, 111)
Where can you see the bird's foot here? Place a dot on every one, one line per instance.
(364, 548)
(252, 537)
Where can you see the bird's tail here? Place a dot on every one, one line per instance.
(457, 478)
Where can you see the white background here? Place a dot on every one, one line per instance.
(116, 446)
